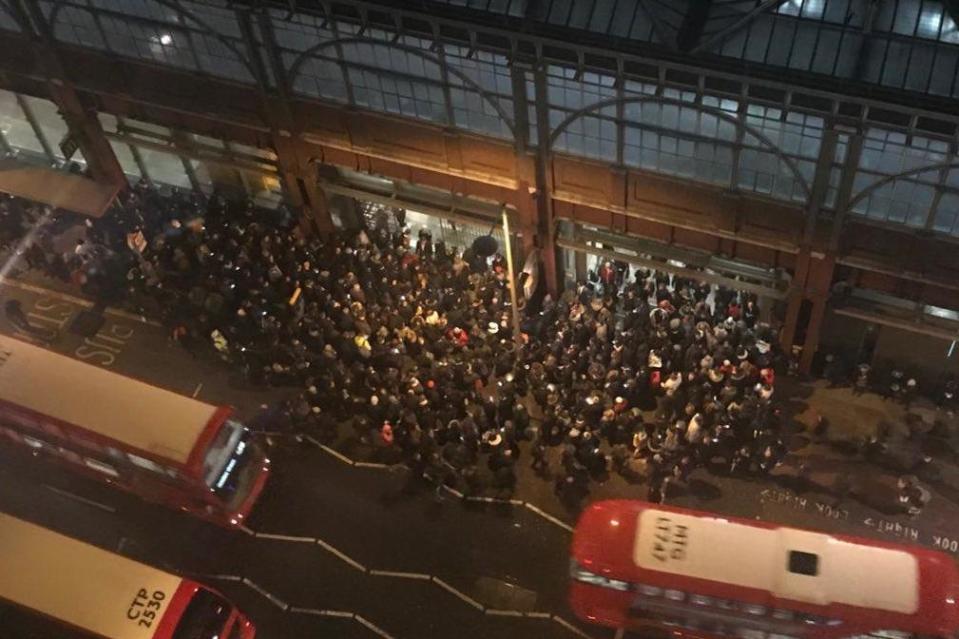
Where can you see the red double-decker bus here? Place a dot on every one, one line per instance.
(652, 568)
(162, 446)
(56, 587)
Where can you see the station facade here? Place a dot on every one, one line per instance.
(804, 150)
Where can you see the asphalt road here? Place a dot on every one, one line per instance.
(337, 550)
(445, 569)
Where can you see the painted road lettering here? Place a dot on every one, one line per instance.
(786, 498)
(945, 543)
(892, 528)
(103, 348)
(50, 317)
(51, 311)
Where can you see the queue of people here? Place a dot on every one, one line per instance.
(410, 343)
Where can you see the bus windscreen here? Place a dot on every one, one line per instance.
(232, 464)
(204, 617)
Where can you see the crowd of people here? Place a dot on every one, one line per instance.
(410, 343)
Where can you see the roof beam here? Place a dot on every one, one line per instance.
(658, 27)
(691, 30)
(761, 7)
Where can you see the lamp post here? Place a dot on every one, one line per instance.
(511, 275)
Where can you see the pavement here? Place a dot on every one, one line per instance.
(341, 545)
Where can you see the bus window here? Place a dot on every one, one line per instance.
(204, 617)
(143, 462)
(99, 466)
(32, 442)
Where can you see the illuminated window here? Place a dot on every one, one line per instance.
(650, 591)
(99, 466)
(142, 462)
(32, 442)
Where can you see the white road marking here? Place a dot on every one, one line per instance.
(400, 575)
(279, 603)
(302, 540)
(82, 500)
(233, 578)
(369, 465)
(73, 299)
(545, 515)
(456, 593)
(196, 391)
(342, 555)
(570, 627)
(493, 612)
(475, 498)
(453, 491)
(323, 613)
(373, 627)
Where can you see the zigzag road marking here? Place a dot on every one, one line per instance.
(438, 581)
(474, 498)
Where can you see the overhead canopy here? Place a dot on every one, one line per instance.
(696, 265)
(406, 195)
(55, 188)
(907, 315)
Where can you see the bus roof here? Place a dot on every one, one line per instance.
(741, 554)
(635, 539)
(77, 583)
(131, 412)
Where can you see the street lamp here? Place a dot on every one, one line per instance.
(511, 275)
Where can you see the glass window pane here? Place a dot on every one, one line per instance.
(165, 168)
(16, 129)
(53, 125)
(126, 160)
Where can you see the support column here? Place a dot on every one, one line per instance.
(797, 293)
(850, 166)
(546, 226)
(818, 287)
(81, 122)
(525, 199)
(297, 170)
(819, 187)
(815, 267)
(85, 128)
